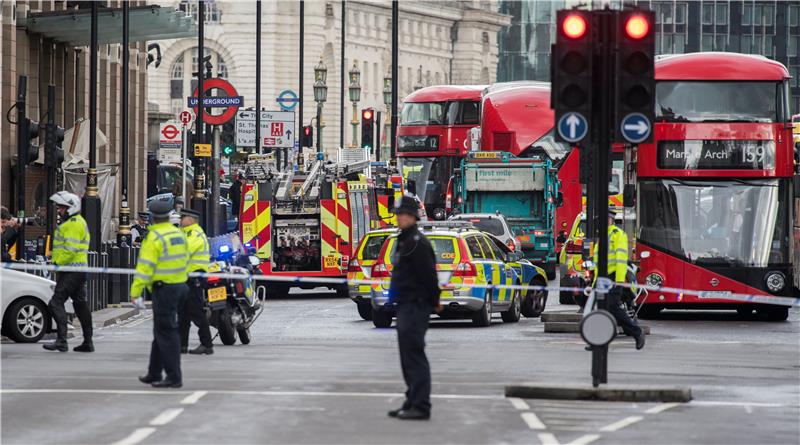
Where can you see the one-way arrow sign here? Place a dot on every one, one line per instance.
(572, 127)
(635, 127)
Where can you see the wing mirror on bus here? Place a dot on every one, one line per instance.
(629, 195)
(390, 199)
(562, 237)
(559, 199)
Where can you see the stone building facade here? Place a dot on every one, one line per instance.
(46, 61)
(441, 42)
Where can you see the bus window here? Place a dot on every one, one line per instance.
(701, 101)
(422, 113)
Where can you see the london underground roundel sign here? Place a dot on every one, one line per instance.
(231, 103)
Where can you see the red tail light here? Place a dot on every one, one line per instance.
(239, 287)
(448, 202)
(510, 244)
(574, 247)
(465, 270)
(212, 280)
(379, 270)
(354, 266)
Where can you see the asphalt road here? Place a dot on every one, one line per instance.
(316, 373)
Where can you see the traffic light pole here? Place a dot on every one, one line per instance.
(91, 201)
(124, 234)
(377, 144)
(213, 219)
(22, 149)
(258, 77)
(395, 61)
(199, 201)
(49, 154)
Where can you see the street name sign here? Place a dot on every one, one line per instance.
(277, 129)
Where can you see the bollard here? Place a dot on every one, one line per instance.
(114, 285)
(103, 282)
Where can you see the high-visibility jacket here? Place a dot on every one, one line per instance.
(573, 261)
(164, 257)
(199, 256)
(617, 266)
(71, 243)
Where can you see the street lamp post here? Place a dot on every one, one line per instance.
(355, 96)
(320, 96)
(387, 100)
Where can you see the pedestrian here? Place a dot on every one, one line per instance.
(139, 230)
(8, 236)
(70, 248)
(617, 267)
(194, 309)
(415, 289)
(161, 270)
(235, 194)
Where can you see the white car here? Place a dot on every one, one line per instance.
(25, 315)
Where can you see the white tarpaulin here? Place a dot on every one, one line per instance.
(76, 143)
(75, 182)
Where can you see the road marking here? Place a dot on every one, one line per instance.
(166, 417)
(192, 398)
(752, 404)
(628, 421)
(519, 404)
(533, 422)
(548, 439)
(138, 435)
(584, 440)
(661, 408)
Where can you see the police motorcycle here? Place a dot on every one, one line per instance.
(233, 303)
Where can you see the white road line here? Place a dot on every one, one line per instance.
(138, 435)
(533, 422)
(166, 417)
(661, 408)
(519, 404)
(548, 439)
(628, 421)
(192, 398)
(584, 440)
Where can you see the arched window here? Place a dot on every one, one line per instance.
(183, 83)
(211, 10)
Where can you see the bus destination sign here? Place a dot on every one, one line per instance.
(713, 154)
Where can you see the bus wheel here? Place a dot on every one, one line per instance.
(775, 313)
(365, 310)
(381, 319)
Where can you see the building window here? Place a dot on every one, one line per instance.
(747, 43)
(666, 44)
(722, 14)
(666, 13)
(708, 13)
(720, 43)
(794, 71)
(758, 15)
(794, 15)
(680, 43)
(747, 14)
(794, 42)
(680, 13)
(211, 10)
(769, 15)
(758, 45)
(544, 12)
(769, 50)
(706, 43)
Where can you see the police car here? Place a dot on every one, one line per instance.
(360, 268)
(466, 257)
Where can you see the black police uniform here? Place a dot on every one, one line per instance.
(415, 289)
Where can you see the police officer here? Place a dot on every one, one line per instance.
(415, 289)
(70, 248)
(194, 309)
(161, 269)
(139, 230)
(617, 267)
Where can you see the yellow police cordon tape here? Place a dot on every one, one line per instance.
(774, 300)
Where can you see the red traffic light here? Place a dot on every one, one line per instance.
(574, 26)
(307, 130)
(637, 27)
(366, 115)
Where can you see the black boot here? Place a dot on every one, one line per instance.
(60, 346)
(184, 349)
(640, 341)
(148, 379)
(86, 346)
(202, 350)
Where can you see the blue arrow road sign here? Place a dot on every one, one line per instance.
(572, 127)
(287, 100)
(635, 127)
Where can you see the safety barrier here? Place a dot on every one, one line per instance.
(322, 281)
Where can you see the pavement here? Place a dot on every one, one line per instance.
(316, 373)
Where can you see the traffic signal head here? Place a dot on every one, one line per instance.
(227, 139)
(571, 73)
(227, 150)
(368, 128)
(30, 129)
(53, 151)
(307, 136)
(635, 79)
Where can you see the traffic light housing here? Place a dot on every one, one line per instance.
(635, 70)
(227, 139)
(53, 150)
(368, 128)
(571, 67)
(30, 130)
(307, 138)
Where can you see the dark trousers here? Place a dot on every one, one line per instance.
(165, 351)
(194, 312)
(71, 285)
(412, 323)
(617, 309)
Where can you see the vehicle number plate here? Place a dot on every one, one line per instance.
(331, 261)
(715, 294)
(217, 294)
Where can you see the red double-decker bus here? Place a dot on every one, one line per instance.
(715, 186)
(433, 137)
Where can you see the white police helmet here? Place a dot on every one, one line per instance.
(68, 200)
